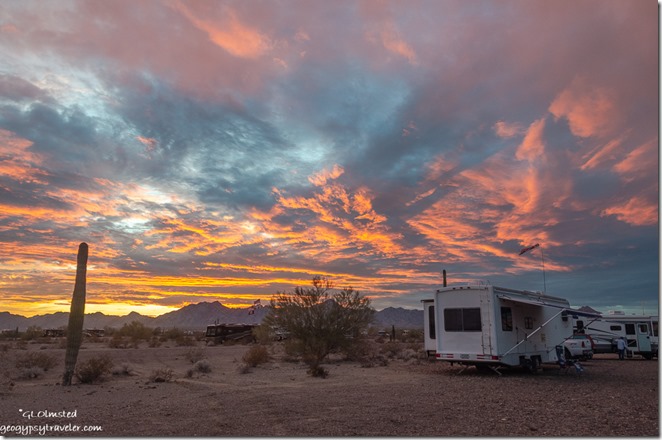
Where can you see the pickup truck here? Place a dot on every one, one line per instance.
(579, 347)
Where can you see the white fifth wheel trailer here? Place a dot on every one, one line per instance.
(640, 332)
(430, 336)
(490, 327)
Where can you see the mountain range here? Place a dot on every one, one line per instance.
(192, 317)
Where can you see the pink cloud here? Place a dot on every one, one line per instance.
(639, 162)
(590, 110)
(508, 129)
(533, 145)
(637, 211)
(232, 35)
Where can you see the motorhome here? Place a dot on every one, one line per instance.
(640, 332)
(491, 327)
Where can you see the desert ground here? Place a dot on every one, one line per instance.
(400, 394)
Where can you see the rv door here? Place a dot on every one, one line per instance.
(643, 337)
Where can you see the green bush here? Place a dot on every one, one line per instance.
(93, 369)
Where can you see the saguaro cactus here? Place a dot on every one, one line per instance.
(75, 328)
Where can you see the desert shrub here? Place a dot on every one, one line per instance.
(93, 369)
(412, 336)
(263, 334)
(135, 331)
(318, 371)
(154, 342)
(408, 354)
(360, 350)
(4, 348)
(32, 332)
(322, 322)
(391, 349)
(44, 361)
(202, 366)
(30, 372)
(172, 333)
(117, 341)
(185, 341)
(256, 355)
(164, 374)
(244, 369)
(194, 355)
(124, 369)
(21, 345)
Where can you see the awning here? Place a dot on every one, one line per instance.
(532, 301)
(541, 303)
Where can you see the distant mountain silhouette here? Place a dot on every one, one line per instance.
(192, 317)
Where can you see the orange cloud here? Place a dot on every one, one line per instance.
(589, 109)
(320, 179)
(636, 211)
(235, 37)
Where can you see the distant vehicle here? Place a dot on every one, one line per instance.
(220, 333)
(579, 347)
(640, 332)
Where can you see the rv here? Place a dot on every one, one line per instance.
(491, 327)
(430, 337)
(640, 332)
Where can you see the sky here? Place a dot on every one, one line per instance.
(228, 150)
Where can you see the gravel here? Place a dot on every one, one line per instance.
(406, 397)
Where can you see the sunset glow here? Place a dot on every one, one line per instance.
(228, 150)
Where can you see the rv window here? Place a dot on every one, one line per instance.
(655, 329)
(471, 320)
(643, 329)
(462, 320)
(580, 325)
(617, 328)
(453, 320)
(506, 319)
(431, 323)
(629, 329)
(528, 322)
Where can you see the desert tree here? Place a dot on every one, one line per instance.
(319, 319)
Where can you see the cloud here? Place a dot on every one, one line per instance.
(223, 150)
(589, 109)
(232, 35)
(636, 211)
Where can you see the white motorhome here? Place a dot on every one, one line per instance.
(489, 326)
(640, 332)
